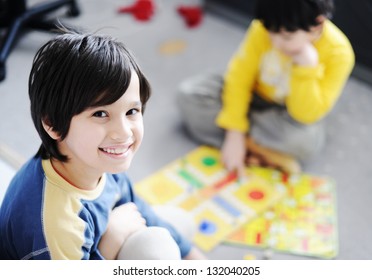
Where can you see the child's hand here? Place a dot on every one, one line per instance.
(126, 219)
(233, 152)
(307, 56)
(123, 221)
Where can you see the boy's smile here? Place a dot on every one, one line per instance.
(118, 151)
(103, 139)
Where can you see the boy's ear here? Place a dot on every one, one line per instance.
(320, 23)
(320, 19)
(49, 129)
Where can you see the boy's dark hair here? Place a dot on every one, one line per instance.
(292, 15)
(75, 71)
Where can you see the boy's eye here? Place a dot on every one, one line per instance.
(133, 111)
(100, 114)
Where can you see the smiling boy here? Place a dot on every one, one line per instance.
(72, 199)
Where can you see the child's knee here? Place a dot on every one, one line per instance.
(180, 219)
(151, 243)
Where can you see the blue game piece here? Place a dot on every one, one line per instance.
(207, 227)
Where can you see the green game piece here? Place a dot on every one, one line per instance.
(209, 161)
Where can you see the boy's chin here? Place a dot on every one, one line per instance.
(118, 169)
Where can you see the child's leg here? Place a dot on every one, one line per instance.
(150, 243)
(276, 130)
(265, 156)
(156, 243)
(199, 100)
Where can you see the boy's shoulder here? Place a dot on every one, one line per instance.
(334, 41)
(333, 33)
(25, 182)
(257, 27)
(29, 170)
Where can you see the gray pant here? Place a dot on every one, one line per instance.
(199, 101)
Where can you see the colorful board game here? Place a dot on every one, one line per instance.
(303, 222)
(218, 201)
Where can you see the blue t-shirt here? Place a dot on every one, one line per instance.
(44, 217)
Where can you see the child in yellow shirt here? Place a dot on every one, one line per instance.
(285, 77)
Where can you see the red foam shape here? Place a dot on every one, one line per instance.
(192, 15)
(142, 9)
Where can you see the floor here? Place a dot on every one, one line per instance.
(168, 52)
(7, 172)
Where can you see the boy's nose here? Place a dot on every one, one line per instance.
(121, 130)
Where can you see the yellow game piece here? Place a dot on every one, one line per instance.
(172, 47)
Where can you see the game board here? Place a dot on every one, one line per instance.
(219, 203)
(303, 222)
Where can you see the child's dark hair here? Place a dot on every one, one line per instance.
(75, 71)
(292, 15)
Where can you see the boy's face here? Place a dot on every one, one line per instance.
(291, 43)
(105, 138)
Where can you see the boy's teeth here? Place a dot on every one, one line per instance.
(113, 151)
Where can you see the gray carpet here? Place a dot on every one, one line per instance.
(208, 48)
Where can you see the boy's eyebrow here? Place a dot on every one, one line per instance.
(131, 104)
(135, 104)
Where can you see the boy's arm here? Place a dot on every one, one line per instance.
(123, 221)
(240, 78)
(239, 82)
(315, 89)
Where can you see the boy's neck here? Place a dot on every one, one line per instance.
(317, 34)
(76, 179)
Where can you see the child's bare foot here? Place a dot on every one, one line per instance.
(252, 159)
(266, 157)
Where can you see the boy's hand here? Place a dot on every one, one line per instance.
(234, 151)
(307, 56)
(123, 221)
(126, 219)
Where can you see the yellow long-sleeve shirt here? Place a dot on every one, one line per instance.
(308, 93)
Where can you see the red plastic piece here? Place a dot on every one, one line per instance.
(141, 9)
(192, 15)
